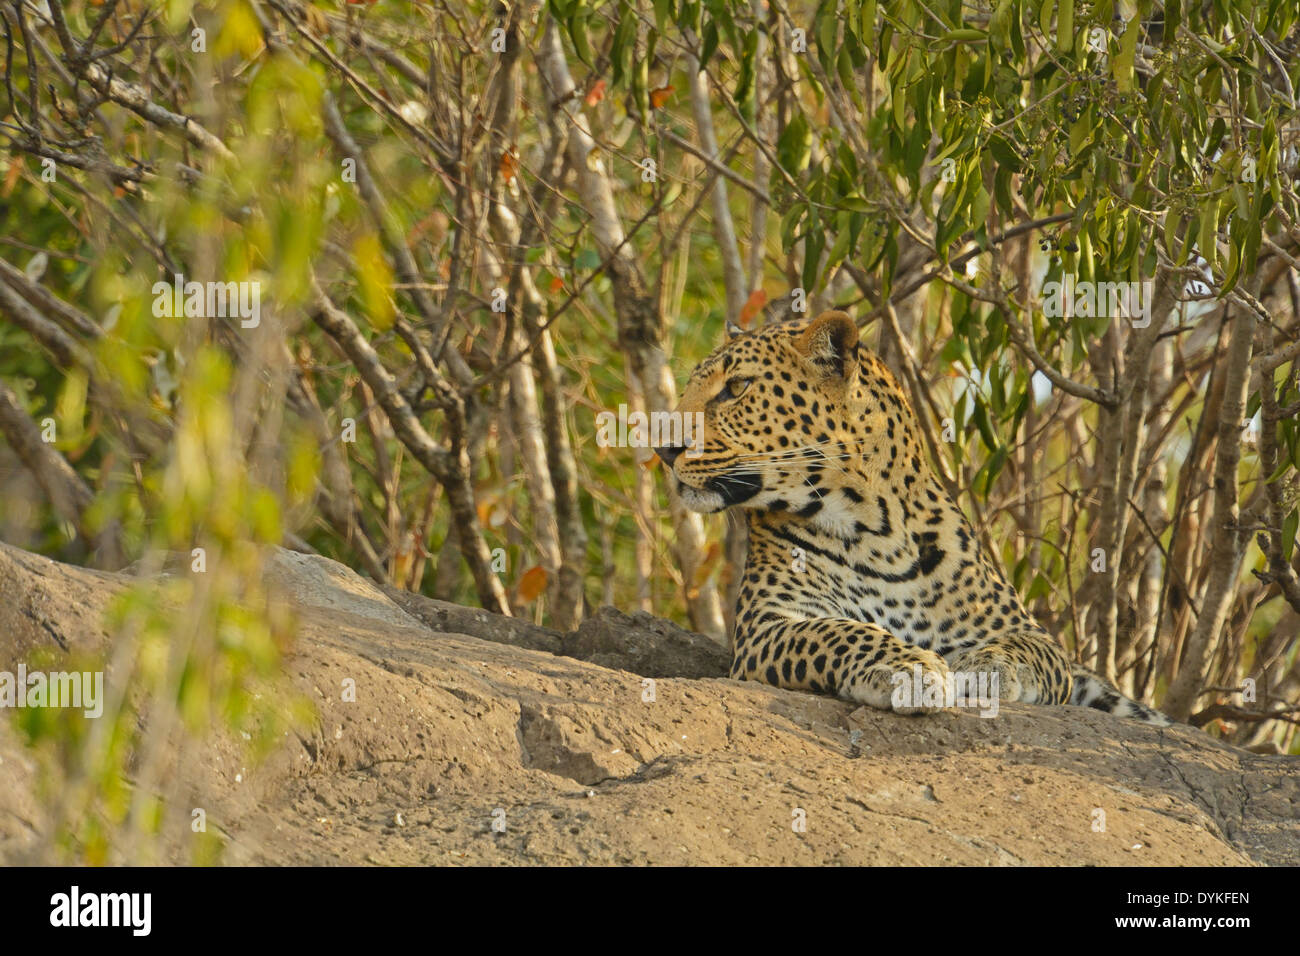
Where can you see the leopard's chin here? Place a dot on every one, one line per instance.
(700, 499)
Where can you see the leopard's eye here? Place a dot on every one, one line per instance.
(734, 388)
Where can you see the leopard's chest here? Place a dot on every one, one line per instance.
(918, 585)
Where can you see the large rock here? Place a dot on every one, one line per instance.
(587, 762)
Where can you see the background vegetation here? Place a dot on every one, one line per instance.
(475, 226)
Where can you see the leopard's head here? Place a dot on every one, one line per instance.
(779, 415)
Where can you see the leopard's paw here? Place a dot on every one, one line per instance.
(913, 683)
(1015, 679)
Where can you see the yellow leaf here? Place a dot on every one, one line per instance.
(316, 20)
(240, 32)
(375, 280)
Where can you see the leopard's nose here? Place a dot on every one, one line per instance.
(669, 453)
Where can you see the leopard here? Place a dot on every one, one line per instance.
(860, 566)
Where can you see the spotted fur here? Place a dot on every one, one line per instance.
(860, 566)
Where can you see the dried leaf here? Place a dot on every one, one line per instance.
(491, 510)
(509, 166)
(708, 564)
(402, 561)
(757, 299)
(36, 266)
(434, 225)
(596, 93)
(532, 583)
(11, 177)
(414, 112)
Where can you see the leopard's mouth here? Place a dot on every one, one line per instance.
(718, 492)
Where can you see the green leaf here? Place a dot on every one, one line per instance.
(744, 94)
(965, 35)
(1173, 20)
(1004, 154)
(815, 241)
(826, 46)
(623, 49)
(1065, 26)
(794, 148)
(840, 247)
(663, 14)
(709, 44)
(867, 20)
(845, 67)
(988, 474)
(1019, 572)
(1205, 239)
(790, 222)
(1122, 64)
(979, 205)
(587, 260)
(985, 426)
(578, 33)
(1002, 192)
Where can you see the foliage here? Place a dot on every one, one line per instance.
(936, 168)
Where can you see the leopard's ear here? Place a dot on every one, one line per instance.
(733, 329)
(831, 343)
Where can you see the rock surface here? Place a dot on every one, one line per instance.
(624, 743)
